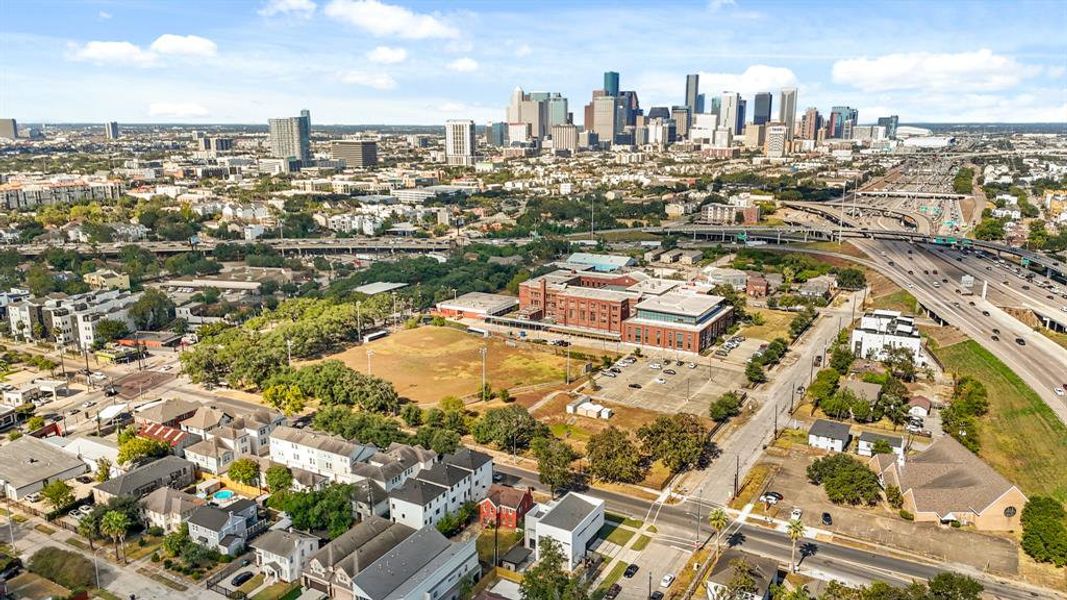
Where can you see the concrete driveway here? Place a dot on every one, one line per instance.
(656, 561)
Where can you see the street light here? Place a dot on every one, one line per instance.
(370, 353)
(483, 351)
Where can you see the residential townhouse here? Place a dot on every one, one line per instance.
(332, 569)
(167, 508)
(424, 565)
(281, 555)
(225, 530)
(69, 320)
(442, 489)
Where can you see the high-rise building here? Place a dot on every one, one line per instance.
(514, 112)
(842, 119)
(692, 92)
(810, 124)
(565, 137)
(776, 140)
(716, 106)
(660, 132)
(356, 153)
(660, 112)
(611, 83)
(535, 113)
(755, 134)
(496, 134)
(111, 130)
(519, 133)
(606, 118)
(700, 104)
(724, 138)
(215, 144)
(541, 110)
(630, 107)
(787, 110)
(732, 114)
(761, 110)
(890, 123)
(290, 137)
(459, 142)
(558, 111)
(9, 129)
(681, 117)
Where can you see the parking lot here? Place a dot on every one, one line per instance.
(656, 561)
(687, 389)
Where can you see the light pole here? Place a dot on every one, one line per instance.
(483, 351)
(370, 353)
(568, 360)
(359, 320)
(289, 352)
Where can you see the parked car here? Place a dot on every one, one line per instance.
(655, 366)
(608, 374)
(1020, 341)
(694, 365)
(667, 580)
(241, 578)
(613, 591)
(771, 498)
(635, 386)
(796, 513)
(670, 371)
(630, 571)
(827, 519)
(656, 595)
(660, 380)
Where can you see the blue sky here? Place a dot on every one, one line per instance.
(416, 62)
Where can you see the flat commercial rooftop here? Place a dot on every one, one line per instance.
(480, 302)
(690, 305)
(379, 287)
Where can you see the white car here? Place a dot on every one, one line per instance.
(655, 366)
(1059, 391)
(692, 365)
(660, 380)
(667, 580)
(796, 513)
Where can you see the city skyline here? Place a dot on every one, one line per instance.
(421, 63)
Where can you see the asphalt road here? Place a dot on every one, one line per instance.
(1040, 362)
(676, 524)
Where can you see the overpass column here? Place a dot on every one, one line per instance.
(779, 242)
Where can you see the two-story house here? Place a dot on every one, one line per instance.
(169, 471)
(224, 530)
(332, 568)
(282, 555)
(442, 489)
(167, 508)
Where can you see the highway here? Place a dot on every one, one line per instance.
(675, 524)
(1040, 362)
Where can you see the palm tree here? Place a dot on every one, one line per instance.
(718, 520)
(89, 528)
(115, 524)
(796, 531)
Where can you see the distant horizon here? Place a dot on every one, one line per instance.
(315, 125)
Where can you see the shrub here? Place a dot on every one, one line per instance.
(956, 524)
(907, 516)
(156, 531)
(155, 557)
(68, 569)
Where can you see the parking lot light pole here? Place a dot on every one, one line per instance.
(370, 353)
(484, 350)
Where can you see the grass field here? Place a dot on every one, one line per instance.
(428, 363)
(614, 575)
(899, 300)
(613, 533)
(776, 324)
(1020, 436)
(488, 540)
(641, 542)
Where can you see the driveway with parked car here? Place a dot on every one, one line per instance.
(668, 385)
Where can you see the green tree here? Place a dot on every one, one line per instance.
(34, 423)
(549, 578)
(279, 479)
(103, 469)
(851, 278)
(953, 586)
(726, 406)
(244, 471)
(109, 330)
(680, 441)
(510, 428)
(411, 415)
(286, 397)
(1045, 530)
(718, 520)
(796, 531)
(152, 311)
(612, 456)
(989, 229)
(115, 525)
(58, 493)
(554, 458)
(138, 448)
(845, 479)
(754, 371)
(89, 528)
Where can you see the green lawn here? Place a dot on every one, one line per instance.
(628, 521)
(252, 584)
(899, 300)
(641, 542)
(1020, 436)
(276, 591)
(615, 534)
(486, 541)
(614, 574)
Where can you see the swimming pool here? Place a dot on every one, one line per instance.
(223, 495)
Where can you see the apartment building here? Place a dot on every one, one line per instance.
(442, 489)
(69, 320)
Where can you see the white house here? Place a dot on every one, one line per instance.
(572, 522)
(320, 453)
(882, 330)
(223, 530)
(167, 508)
(282, 555)
(919, 406)
(829, 435)
(442, 489)
(867, 440)
(424, 565)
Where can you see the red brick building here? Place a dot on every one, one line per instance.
(678, 321)
(580, 299)
(505, 506)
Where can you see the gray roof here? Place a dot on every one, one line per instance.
(319, 441)
(442, 474)
(167, 410)
(892, 440)
(417, 492)
(29, 460)
(402, 563)
(360, 546)
(169, 501)
(830, 429)
(948, 477)
(863, 390)
(209, 517)
(124, 485)
(281, 542)
(467, 459)
(568, 512)
(368, 492)
(764, 570)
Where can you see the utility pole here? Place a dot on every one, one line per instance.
(484, 350)
(370, 353)
(737, 475)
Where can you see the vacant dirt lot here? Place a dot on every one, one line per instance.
(429, 363)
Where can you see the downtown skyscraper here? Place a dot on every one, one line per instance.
(787, 110)
(761, 111)
(611, 83)
(459, 142)
(692, 94)
(290, 137)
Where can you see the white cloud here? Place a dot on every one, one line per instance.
(184, 45)
(463, 65)
(523, 50)
(963, 72)
(388, 20)
(387, 56)
(113, 53)
(756, 78)
(1056, 72)
(716, 5)
(176, 109)
(302, 8)
(103, 15)
(378, 81)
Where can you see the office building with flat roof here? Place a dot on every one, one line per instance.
(356, 153)
(290, 137)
